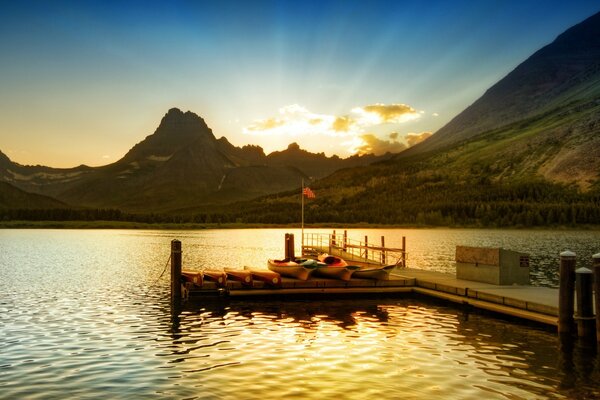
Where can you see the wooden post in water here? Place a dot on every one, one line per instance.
(403, 251)
(382, 250)
(175, 271)
(345, 240)
(585, 303)
(566, 304)
(289, 246)
(333, 238)
(596, 267)
(366, 247)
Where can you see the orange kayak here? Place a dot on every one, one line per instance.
(195, 277)
(240, 275)
(268, 277)
(218, 277)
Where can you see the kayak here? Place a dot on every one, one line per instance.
(240, 275)
(218, 277)
(292, 269)
(380, 273)
(195, 277)
(268, 277)
(332, 260)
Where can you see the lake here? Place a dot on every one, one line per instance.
(86, 314)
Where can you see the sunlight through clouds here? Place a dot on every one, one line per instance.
(381, 113)
(357, 128)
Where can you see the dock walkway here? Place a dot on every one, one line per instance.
(538, 304)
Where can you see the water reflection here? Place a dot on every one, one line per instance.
(88, 314)
(410, 343)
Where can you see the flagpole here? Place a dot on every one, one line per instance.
(302, 195)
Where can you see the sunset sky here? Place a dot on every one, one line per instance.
(82, 82)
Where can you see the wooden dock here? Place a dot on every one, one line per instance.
(537, 304)
(491, 279)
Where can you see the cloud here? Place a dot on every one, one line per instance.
(265, 124)
(435, 114)
(296, 120)
(342, 124)
(378, 113)
(414, 138)
(357, 128)
(371, 144)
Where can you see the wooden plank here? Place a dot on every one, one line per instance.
(484, 305)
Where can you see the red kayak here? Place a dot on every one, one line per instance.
(332, 261)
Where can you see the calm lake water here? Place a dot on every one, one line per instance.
(86, 314)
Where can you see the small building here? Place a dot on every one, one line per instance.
(492, 265)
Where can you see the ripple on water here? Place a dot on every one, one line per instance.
(100, 326)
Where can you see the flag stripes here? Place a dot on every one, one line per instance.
(308, 193)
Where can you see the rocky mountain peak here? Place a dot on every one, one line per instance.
(176, 130)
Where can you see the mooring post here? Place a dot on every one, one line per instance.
(175, 271)
(366, 247)
(333, 238)
(289, 246)
(596, 266)
(585, 303)
(403, 251)
(345, 240)
(565, 292)
(382, 250)
(286, 246)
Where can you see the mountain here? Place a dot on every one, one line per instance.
(14, 198)
(181, 167)
(527, 153)
(542, 119)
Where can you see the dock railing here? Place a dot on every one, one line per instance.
(353, 251)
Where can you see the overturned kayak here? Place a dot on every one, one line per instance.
(218, 277)
(380, 273)
(240, 275)
(194, 277)
(270, 278)
(292, 269)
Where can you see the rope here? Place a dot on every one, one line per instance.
(163, 272)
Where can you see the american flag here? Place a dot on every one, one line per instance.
(308, 193)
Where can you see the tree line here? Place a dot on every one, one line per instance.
(427, 201)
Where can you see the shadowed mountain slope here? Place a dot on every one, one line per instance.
(181, 166)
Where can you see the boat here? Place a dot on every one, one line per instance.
(194, 277)
(342, 273)
(299, 269)
(240, 275)
(381, 273)
(270, 278)
(218, 277)
(333, 261)
(335, 267)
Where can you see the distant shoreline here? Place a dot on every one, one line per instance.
(233, 225)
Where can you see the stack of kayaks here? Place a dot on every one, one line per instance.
(327, 266)
(298, 269)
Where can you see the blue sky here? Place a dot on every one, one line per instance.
(82, 82)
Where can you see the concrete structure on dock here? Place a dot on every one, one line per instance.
(492, 265)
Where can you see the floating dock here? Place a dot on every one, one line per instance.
(490, 279)
(537, 304)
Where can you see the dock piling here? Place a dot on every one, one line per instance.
(596, 267)
(566, 306)
(175, 271)
(289, 246)
(383, 260)
(403, 251)
(585, 307)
